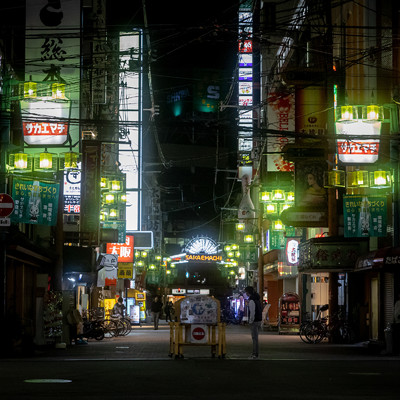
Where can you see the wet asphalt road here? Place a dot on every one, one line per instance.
(139, 367)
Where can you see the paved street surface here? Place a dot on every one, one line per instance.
(139, 367)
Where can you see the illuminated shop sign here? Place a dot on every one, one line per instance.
(245, 85)
(245, 101)
(45, 123)
(123, 250)
(52, 57)
(245, 60)
(245, 74)
(358, 145)
(203, 257)
(292, 251)
(72, 191)
(245, 88)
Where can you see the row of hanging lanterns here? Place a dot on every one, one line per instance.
(349, 114)
(276, 195)
(378, 179)
(42, 90)
(43, 162)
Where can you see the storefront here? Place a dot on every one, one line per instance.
(324, 265)
(376, 280)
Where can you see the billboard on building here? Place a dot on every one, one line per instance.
(52, 55)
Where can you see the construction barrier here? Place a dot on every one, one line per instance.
(197, 324)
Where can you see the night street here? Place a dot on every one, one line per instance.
(138, 366)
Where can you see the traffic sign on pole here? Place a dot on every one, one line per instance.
(6, 205)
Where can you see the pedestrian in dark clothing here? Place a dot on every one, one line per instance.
(156, 308)
(168, 308)
(255, 318)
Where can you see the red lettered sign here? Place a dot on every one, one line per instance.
(124, 250)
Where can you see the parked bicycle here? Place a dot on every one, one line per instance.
(123, 324)
(108, 326)
(334, 327)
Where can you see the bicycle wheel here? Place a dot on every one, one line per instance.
(304, 327)
(128, 326)
(314, 333)
(110, 328)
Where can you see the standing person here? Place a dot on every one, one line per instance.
(255, 318)
(156, 307)
(168, 307)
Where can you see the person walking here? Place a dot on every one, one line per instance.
(156, 307)
(255, 318)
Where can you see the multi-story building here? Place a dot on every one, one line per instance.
(330, 112)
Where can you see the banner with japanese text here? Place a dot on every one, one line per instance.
(365, 216)
(36, 202)
(123, 250)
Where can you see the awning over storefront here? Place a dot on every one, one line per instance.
(387, 257)
(331, 254)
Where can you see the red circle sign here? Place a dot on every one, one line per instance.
(6, 205)
(198, 333)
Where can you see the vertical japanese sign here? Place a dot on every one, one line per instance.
(99, 51)
(123, 250)
(72, 191)
(281, 113)
(365, 216)
(36, 202)
(52, 54)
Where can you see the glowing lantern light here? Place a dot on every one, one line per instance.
(110, 198)
(265, 196)
(290, 197)
(240, 227)
(70, 160)
(20, 161)
(356, 179)
(249, 238)
(372, 113)
(58, 91)
(116, 186)
(347, 114)
(278, 225)
(379, 179)
(30, 90)
(278, 195)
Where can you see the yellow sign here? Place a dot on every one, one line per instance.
(125, 270)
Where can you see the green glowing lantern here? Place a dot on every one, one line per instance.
(380, 179)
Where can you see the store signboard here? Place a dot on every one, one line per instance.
(36, 202)
(45, 123)
(365, 216)
(125, 270)
(123, 250)
(52, 56)
(358, 142)
(324, 255)
(72, 191)
(281, 116)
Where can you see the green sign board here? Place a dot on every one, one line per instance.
(120, 226)
(36, 202)
(365, 216)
